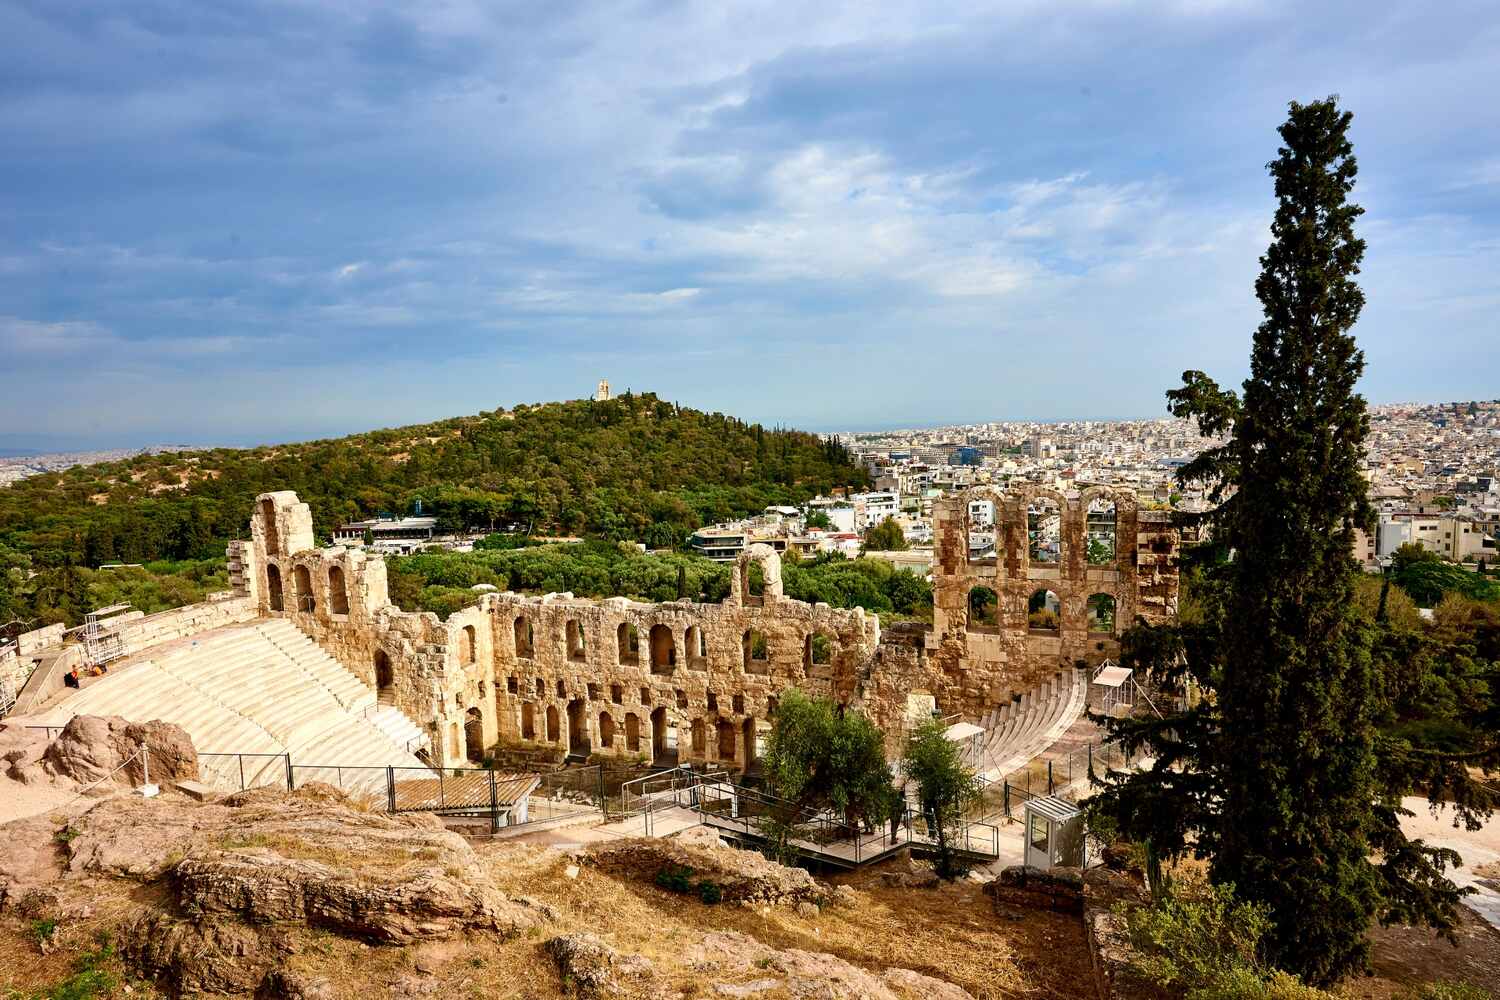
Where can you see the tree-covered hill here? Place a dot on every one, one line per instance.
(634, 467)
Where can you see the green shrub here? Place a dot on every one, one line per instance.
(1444, 990)
(1196, 933)
(43, 929)
(675, 878)
(1202, 942)
(711, 893)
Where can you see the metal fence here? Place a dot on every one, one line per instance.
(506, 798)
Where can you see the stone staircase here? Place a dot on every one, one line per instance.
(261, 688)
(1021, 730)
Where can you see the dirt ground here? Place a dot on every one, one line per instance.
(1405, 957)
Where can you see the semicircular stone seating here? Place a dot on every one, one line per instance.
(260, 688)
(1020, 730)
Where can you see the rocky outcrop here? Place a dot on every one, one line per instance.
(234, 881)
(743, 876)
(808, 974)
(92, 747)
(593, 970)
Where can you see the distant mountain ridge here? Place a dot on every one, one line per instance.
(633, 467)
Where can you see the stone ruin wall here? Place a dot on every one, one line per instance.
(973, 667)
(570, 688)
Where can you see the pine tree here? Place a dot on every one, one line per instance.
(1276, 773)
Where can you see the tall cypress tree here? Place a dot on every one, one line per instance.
(1277, 774)
(1297, 692)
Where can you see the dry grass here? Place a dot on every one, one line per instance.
(295, 847)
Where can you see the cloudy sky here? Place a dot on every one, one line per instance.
(251, 221)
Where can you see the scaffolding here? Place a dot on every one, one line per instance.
(1116, 697)
(102, 641)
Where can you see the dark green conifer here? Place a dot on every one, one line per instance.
(1274, 768)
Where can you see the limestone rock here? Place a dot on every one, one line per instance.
(808, 975)
(404, 906)
(593, 968)
(93, 746)
(744, 876)
(283, 985)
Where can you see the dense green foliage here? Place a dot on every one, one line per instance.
(946, 787)
(1201, 943)
(635, 467)
(442, 581)
(819, 756)
(1297, 731)
(886, 536)
(1427, 578)
(30, 598)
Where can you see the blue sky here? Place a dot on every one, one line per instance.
(260, 221)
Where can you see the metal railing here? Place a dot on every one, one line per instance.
(452, 791)
(816, 834)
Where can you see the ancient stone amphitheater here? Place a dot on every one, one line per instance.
(307, 657)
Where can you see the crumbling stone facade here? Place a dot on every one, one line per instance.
(699, 682)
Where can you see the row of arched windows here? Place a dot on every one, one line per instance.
(1043, 611)
(1044, 543)
(304, 598)
(662, 648)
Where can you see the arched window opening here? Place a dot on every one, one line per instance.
(562, 688)
(606, 731)
(1101, 614)
(302, 580)
(738, 701)
(541, 688)
(663, 650)
(817, 655)
(338, 593)
(645, 696)
(273, 587)
(757, 653)
(753, 582)
(726, 741)
(466, 654)
(593, 691)
(385, 679)
(268, 526)
(1043, 612)
(699, 741)
(617, 694)
(512, 686)
(984, 610)
(524, 636)
(663, 736)
(474, 735)
(632, 732)
(528, 721)
(751, 738)
(696, 648)
(982, 531)
(682, 699)
(577, 644)
(1101, 532)
(628, 643)
(553, 733)
(1044, 532)
(578, 728)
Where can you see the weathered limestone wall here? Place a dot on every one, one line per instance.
(691, 685)
(975, 666)
(698, 681)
